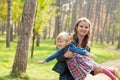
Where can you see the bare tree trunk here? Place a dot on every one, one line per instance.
(33, 41)
(49, 30)
(99, 22)
(21, 57)
(58, 27)
(15, 29)
(73, 16)
(3, 27)
(11, 33)
(118, 46)
(102, 28)
(95, 21)
(8, 24)
(38, 39)
(113, 34)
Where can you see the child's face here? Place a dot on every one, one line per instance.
(61, 44)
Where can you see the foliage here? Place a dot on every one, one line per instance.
(3, 9)
(17, 8)
(43, 15)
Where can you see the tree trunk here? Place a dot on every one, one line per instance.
(38, 39)
(21, 57)
(113, 34)
(95, 21)
(11, 33)
(118, 46)
(58, 27)
(73, 16)
(8, 24)
(33, 41)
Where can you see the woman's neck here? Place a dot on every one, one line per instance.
(80, 40)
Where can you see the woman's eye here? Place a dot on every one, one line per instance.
(81, 26)
(86, 27)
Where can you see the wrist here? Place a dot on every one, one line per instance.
(88, 54)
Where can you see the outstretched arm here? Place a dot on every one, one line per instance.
(51, 57)
(41, 61)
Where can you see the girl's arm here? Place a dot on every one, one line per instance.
(81, 51)
(51, 57)
(75, 49)
(41, 61)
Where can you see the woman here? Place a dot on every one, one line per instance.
(81, 36)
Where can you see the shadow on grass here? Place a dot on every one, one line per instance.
(1, 41)
(9, 77)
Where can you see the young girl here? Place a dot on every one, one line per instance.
(80, 65)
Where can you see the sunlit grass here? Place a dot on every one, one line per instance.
(37, 71)
(102, 53)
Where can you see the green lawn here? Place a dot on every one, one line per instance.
(42, 71)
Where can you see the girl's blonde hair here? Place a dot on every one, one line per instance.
(67, 37)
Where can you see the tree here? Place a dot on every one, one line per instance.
(42, 18)
(8, 24)
(58, 27)
(21, 57)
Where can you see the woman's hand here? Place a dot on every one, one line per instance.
(69, 54)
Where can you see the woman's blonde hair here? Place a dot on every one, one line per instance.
(67, 37)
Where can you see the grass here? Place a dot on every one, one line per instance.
(102, 53)
(42, 72)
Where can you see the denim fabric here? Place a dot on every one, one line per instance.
(66, 76)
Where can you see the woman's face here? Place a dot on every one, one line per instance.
(83, 28)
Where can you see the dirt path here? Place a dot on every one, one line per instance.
(112, 48)
(112, 63)
(109, 64)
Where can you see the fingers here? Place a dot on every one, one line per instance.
(69, 54)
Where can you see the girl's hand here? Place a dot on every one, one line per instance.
(69, 54)
(41, 61)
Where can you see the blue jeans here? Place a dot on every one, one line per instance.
(66, 75)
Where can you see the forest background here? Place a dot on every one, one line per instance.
(33, 21)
